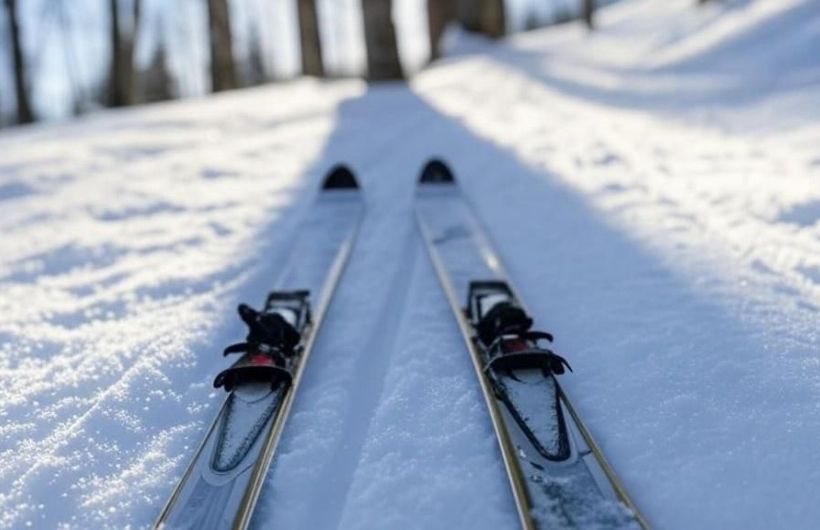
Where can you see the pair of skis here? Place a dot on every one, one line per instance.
(558, 475)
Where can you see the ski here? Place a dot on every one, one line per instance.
(558, 475)
(222, 484)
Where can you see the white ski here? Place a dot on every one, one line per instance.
(222, 484)
(559, 477)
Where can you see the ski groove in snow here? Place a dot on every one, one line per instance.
(370, 370)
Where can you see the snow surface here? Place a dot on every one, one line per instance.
(653, 188)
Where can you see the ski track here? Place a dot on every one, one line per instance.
(369, 370)
(429, 395)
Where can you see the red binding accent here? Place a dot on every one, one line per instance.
(514, 345)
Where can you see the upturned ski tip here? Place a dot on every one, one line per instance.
(436, 171)
(340, 177)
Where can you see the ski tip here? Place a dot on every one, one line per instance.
(436, 171)
(340, 178)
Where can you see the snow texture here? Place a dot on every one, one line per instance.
(652, 188)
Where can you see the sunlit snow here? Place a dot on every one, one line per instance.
(653, 188)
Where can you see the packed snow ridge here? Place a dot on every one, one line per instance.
(653, 187)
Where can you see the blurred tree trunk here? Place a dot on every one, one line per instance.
(116, 88)
(255, 70)
(469, 15)
(131, 75)
(223, 67)
(588, 13)
(21, 91)
(439, 14)
(383, 61)
(122, 82)
(310, 39)
(493, 18)
(156, 81)
(483, 16)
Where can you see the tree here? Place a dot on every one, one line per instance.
(483, 16)
(310, 39)
(223, 67)
(122, 83)
(469, 15)
(588, 13)
(383, 61)
(493, 18)
(156, 83)
(21, 89)
(255, 72)
(439, 14)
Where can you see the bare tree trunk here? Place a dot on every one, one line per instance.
(439, 14)
(116, 85)
(383, 61)
(24, 113)
(588, 12)
(130, 74)
(223, 68)
(122, 88)
(469, 14)
(255, 71)
(156, 81)
(494, 21)
(483, 16)
(310, 39)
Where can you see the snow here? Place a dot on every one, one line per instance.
(652, 188)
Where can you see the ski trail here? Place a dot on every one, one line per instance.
(430, 398)
(370, 371)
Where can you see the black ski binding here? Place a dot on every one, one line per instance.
(273, 340)
(503, 330)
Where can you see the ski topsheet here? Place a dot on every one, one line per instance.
(559, 477)
(222, 484)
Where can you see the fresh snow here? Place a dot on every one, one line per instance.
(654, 190)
